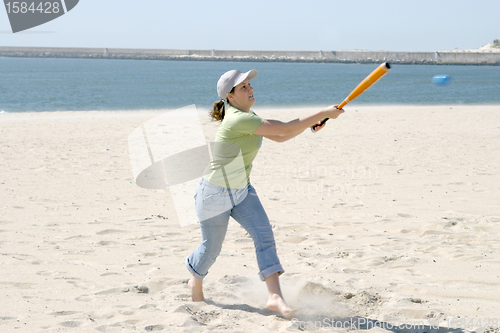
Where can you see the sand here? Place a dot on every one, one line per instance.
(389, 215)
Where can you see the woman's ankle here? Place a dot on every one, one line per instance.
(196, 287)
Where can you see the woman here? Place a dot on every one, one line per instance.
(225, 188)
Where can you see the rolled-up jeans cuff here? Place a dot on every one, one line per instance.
(192, 271)
(270, 271)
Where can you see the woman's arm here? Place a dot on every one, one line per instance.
(274, 128)
(283, 138)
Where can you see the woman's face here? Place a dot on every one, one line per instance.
(242, 97)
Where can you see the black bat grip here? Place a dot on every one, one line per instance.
(313, 129)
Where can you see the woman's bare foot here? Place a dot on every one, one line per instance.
(278, 304)
(196, 288)
(276, 301)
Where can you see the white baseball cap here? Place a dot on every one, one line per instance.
(231, 79)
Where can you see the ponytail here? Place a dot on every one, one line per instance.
(218, 111)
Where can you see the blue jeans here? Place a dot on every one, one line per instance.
(214, 205)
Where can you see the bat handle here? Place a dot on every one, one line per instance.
(313, 129)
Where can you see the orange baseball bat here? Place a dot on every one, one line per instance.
(365, 84)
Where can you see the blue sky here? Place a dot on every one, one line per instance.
(402, 25)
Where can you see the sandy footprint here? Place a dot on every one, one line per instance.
(133, 289)
(154, 328)
(109, 231)
(71, 323)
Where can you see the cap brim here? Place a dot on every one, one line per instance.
(248, 75)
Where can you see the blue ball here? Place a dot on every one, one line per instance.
(441, 80)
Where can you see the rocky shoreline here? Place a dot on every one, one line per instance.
(425, 58)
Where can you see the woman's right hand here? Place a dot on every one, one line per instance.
(332, 112)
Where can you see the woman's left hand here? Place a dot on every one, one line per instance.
(319, 126)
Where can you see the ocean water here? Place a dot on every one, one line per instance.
(37, 84)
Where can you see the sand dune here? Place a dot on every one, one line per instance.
(389, 215)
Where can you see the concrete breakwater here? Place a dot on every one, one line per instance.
(428, 58)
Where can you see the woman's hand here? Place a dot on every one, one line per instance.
(318, 126)
(332, 112)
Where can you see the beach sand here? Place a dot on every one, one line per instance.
(388, 215)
